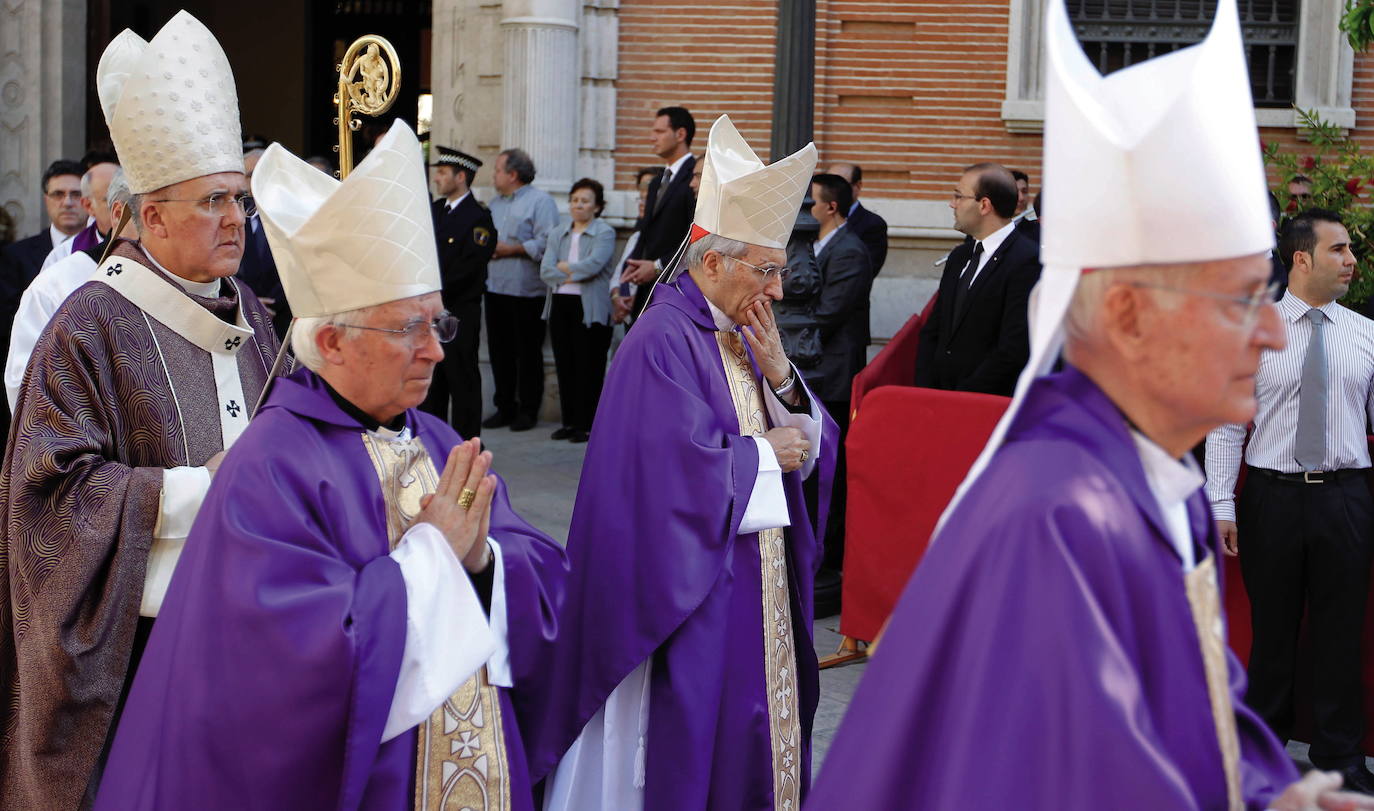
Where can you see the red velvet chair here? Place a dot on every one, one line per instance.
(908, 449)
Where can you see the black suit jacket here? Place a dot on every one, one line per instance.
(467, 239)
(985, 347)
(19, 264)
(666, 225)
(872, 230)
(841, 313)
(258, 270)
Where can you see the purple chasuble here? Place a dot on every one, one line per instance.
(270, 674)
(660, 570)
(1044, 655)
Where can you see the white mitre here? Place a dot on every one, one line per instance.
(744, 200)
(342, 246)
(1158, 163)
(171, 105)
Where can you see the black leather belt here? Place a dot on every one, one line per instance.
(1311, 476)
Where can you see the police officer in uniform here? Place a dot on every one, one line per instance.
(466, 238)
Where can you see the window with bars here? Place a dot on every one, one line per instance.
(1119, 33)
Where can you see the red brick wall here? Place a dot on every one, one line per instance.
(913, 91)
(910, 89)
(710, 56)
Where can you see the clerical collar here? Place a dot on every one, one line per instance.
(208, 289)
(392, 430)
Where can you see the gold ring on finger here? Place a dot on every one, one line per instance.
(466, 497)
(805, 453)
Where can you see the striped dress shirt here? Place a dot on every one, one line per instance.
(1349, 343)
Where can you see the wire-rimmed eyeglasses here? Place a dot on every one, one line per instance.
(1251, 303)
(445, 328)
(218, 204)
(782, 271)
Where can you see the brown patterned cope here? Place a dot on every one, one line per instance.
(461, 759)
(779, 659)
(1205, 600)
(101, 413)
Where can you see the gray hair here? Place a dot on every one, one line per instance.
(696, 252)
(86, 182)
(304, 331)
(136, 210)
(118, 192)
(1083, 320)
(519, 162)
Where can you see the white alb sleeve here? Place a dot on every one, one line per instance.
(447, 637)
(183, 491)
(809, 424)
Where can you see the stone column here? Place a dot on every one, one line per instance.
(42, 99)
(540, 83)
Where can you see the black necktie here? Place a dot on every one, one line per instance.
(448, 208)
(966, 279)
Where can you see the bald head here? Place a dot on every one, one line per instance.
(95, 187)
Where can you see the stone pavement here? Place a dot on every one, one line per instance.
(543, 474)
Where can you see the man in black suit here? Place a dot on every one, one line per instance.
(841, 317)
(467, 239)
(669, 209)
(20, 262)
(976, 338)
(869, 227)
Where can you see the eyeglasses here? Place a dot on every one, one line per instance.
(956, 196)
(57, 194)
(221, 203)
(782, 271)
(445, 328)
(1252, 303)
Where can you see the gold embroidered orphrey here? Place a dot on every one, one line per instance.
(779, 658)
(461, 761)
(1205, 601)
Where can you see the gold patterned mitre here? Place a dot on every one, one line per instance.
(344, 245)
(171, 105)
(741, 198)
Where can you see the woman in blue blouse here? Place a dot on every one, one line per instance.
(577, 267)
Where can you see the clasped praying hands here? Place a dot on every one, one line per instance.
(460, 507)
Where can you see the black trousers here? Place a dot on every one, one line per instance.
(515, 344)
(579, 358)
(455, 395)
(1308, 545)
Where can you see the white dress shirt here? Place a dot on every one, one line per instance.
(825, 240)
(1349, 344)
(990, 244)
